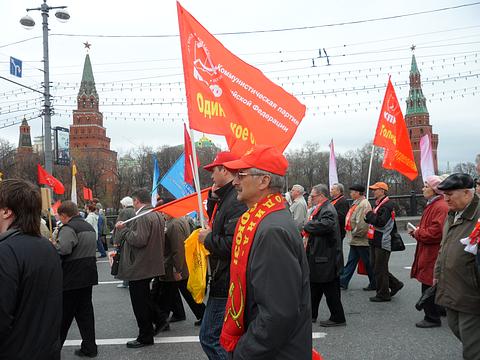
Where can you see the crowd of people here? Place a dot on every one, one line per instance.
(273, 256)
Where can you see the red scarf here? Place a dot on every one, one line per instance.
(334, 201)
(314, 212)
(348, 218)
(371, 228)
(233, 325)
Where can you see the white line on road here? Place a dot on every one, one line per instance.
(410, 244)
(408, 267)
(162, 340)
(102, 261)
(110, 282)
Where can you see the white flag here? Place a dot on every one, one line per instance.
(332, 167)
(426, 157)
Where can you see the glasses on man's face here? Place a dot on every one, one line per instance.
(314, 196)
(242, 174)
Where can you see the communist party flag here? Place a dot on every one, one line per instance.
(188, 176)
(392, 135)
(87, 193)
(44, 178)
(183, 206)
(226, 96)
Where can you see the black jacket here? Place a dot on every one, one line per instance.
(277, 311)
(342, 208)
(219, 241)
(30, 298)
(324, 247)
(380, 220)
(77, 244)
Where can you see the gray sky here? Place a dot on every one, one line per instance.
(360, 55)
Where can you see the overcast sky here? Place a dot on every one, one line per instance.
(133, 72)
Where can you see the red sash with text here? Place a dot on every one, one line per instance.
(233, 325)
(371, 228)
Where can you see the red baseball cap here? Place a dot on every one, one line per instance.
(221, 158)
(262, 157)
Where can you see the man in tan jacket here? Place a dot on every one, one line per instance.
(357, 229)
(456, 274)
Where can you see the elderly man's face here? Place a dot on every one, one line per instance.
(457, 200)
(316, 197)
(295, 193)
(248, 186)
(334, 191)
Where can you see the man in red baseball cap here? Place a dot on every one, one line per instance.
(224, 210)
(269, 278)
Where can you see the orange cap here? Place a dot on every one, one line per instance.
(262, 157)
(379, 185)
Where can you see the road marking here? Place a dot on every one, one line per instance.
(408, 267)
(161, 340)
(110, 282)
(410, 244)
(102, 261)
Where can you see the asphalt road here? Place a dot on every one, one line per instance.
(373, 331)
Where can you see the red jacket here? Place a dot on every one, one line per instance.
(428, 236)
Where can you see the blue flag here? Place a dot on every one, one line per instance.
(156, 178)
(174, 179)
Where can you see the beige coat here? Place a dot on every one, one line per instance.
(458, 285)
(358, 235)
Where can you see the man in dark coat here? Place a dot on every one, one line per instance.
(268, 309)
(218, 237)
(337, 192)
(382, 226)
(141, 260)
(456, 274)
(325, 257)
(76, 243)
(30, 278)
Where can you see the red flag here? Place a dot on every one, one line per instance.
(185, 205)
(227, 96)
(55, 207)
(188, 176)
(44, 178)
(392, 135)
(87, 193)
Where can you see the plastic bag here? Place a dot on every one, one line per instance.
(197, 263)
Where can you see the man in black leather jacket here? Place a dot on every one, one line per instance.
(225, 210)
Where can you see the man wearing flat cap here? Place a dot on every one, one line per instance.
(382, 227)
(268, 307)
(224, 210)
(357, 229)
(456, 273)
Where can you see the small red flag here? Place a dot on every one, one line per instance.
(183, 206)
(87, 193)
(188, 176)
(44, 178)
(392, 135)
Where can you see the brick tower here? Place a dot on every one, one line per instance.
(417, 117)
(89, 144)
(25, 140)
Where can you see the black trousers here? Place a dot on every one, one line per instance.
(384, 280)
(143, 306)
(432, 311)
(332, 293)
(78, 304)
(197, 309)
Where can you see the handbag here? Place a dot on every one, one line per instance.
(427, 294)
(397, 242)
(115, 263)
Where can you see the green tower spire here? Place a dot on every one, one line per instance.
(416, 102)
(87, 86)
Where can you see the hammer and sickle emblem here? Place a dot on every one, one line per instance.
(235, 315)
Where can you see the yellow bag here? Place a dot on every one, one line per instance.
(196, 257)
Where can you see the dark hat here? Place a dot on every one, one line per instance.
(358, 187)
(457, 181)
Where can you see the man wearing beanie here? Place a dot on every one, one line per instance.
(428, 235)
(268, 308)
(456, 273)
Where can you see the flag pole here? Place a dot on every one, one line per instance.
(370, 170)
(196, 179)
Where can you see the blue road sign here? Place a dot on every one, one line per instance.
(15, 67)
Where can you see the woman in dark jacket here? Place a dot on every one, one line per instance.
(429, 235)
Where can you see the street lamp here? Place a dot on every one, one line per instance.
(28, 22)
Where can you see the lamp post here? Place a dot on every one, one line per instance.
(28, 22)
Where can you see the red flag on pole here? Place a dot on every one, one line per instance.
(188, 176)
(392, 135)
(87, 193)
(229, 97)
(183, 206)
(44, 178)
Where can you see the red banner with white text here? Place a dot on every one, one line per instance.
(392, 135)
(226, 96)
